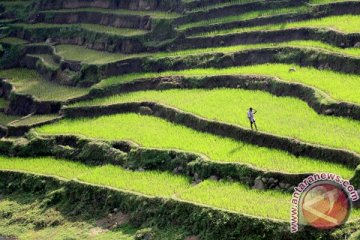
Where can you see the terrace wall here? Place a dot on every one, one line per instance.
(77, 36)
(113, 20)
(112, 4)
(331, 37)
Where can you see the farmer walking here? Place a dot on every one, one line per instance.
(251, 118)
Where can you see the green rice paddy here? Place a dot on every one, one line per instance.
(282, 116)
(79, 53)
(5, 119)
(237, 48)
(244, 16)
(12, 40)
(90, 27)
(293, 119)
(338, 86)
(270, 204)
(30, 82)
(153, 14)
(344, 23)
(326, 1)
(33, 120)
(219, 5)
(85, 55)
(157, 133)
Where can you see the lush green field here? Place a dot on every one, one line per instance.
(90, 27)
(85, 55)
(345, 23)
(326, 1)
(219, 5)
(153, 14)
(33, 120)
(113, 30)
(225, 195)
(244, 16)
(296, 44)
(30, 82)
(79, 53)
(338, 86)
(12, 40)
(293, 119)
(157, 133)
(5, 119)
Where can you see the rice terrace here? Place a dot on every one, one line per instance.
(180, 119)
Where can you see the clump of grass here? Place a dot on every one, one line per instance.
(344, 23)
(244, 16)
(30, 82)
(157, 133)
(338, 86)
(293, 119)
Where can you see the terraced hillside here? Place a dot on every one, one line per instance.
(126, 119)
